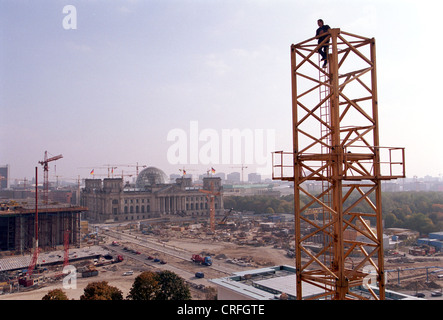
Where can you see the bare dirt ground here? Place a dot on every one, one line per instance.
(253, 257)
(243, 257)
(112, 274)
(259, 256)
(413, 276)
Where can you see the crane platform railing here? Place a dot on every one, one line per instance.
(356, 165)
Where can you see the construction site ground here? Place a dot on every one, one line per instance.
(416, 274)
(227, 257)
(176, 249)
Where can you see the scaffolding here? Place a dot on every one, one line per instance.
(336, 144)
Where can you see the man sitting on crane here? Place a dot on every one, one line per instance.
(323, 51)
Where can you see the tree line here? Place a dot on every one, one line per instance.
(418, 211)
(163, 285)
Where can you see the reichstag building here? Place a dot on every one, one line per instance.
(108, 200)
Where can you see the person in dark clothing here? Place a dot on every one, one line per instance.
(323, 51)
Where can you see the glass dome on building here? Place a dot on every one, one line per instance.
(149, 177)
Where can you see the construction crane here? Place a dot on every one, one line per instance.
(109, 167)
(112, 167)
(136, 166)
(66, 233)
(45, 164)
(130, 174)
(336, 143)
(184, 171)
(110, 170)
(242, 168)
(36, 247)
(210, 195)
(66, 247)
(25, 183)
(225, 218)
(78, 181)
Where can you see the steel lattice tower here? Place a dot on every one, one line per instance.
(338, 166)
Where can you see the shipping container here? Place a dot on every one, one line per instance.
(437, 244)
(422, 241)
(26, 282)
(436, 235)
(89, 273)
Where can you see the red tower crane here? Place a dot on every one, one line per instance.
(45, 165)
(66, 248)
(36, 248)
(211, 194)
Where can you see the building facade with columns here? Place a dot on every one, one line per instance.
(108, 200)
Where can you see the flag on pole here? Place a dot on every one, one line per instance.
(212, 170)
(92, 171)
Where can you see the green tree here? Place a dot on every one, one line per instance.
(164, 285)
(172, 287)
(145, 287)
(391, 221)
(269, 210)
(419, 211)
(101, 290)
(56, 294)
(420, 223)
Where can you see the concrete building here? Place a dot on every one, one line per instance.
(108, 200)
(254, 178)
(17, 226)
(4, 177)
(250, 190)
(275, 283)
(233, 177)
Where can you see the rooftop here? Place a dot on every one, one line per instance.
(270, 283)
(265, 283)
(48, 258)
(26, 206)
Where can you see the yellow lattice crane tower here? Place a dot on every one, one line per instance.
(210, 195)
(336, 148)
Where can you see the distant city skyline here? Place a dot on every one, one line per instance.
(126, 82)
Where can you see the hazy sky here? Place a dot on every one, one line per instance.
(134, 72)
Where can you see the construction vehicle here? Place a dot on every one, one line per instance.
(45, 165)
(119, 258)
(422, 250)
(90, 271)
(225, 218)
(210, 195)
(206, 261)
(108, 260)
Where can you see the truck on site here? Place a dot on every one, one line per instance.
(117, 259)
(108, 260)
(89, 271)
(207, 261)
